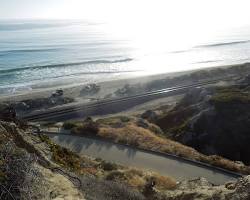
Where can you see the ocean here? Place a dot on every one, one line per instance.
(43, 54)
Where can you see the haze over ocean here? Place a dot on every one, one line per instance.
(41, 53)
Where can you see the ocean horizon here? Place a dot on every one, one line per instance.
(44, 53)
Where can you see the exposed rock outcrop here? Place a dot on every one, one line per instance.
(201, 189)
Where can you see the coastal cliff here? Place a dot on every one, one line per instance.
(214, 121)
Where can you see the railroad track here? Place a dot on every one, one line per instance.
(124, 101)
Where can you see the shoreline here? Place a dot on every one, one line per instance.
(132, 80)
(125, 87)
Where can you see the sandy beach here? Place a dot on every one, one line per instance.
(107, 87)
(82, 93)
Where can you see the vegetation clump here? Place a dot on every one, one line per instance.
(115, 175)
(175, 124)
(69, 125)
(62, 156)
(87, 128)
(232, 96)
(18, 176)
(66, 158)
(107, 166)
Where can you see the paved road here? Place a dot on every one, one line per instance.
(165, 165)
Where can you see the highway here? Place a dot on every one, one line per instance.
(111, 106)
(178, 168)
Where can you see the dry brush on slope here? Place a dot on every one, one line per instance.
(140, 133)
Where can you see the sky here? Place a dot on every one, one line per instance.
(157, 18)
(207, 11)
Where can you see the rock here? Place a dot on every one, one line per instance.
(242, 189)
(203, 190)
(230, 185)
(240, 163)
(193, 184)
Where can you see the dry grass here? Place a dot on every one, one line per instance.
(164, 183)
(89, 170)
(138, 179)
(133, 135)
(225, 163)
(144, 138)
(137, 182)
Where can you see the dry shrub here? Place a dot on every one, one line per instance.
(89, 170)
(66, 158)
(116, 176)
(224, 163)
(135, 177)
(69, 125)
(133, 172)
(137, 182)
(144, 138)
(164, 183)
(108, 166)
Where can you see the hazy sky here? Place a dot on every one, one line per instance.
(195, 18)
(212, 11)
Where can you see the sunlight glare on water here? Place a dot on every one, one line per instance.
(119, 39)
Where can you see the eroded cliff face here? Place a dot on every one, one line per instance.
(214, 121)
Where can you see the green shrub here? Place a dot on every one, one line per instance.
(61, 155)
(156, 129)
(45, 138)
(2, 176)
(107, 166)
(122, 141)
(65, 157)
(69, 125)
(87, 128)
(124, 119)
